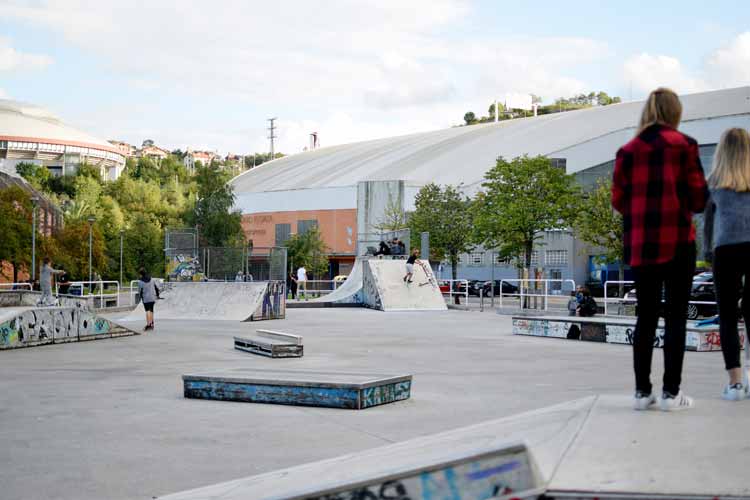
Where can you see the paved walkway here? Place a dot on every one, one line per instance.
(108, 420)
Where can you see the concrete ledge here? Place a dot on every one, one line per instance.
(319, 305)
(613, 330)
(355, 391)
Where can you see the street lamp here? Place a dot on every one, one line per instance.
(122, 232)
(35, 203)
(91, 219)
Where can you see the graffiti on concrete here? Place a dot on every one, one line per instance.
(382, 394)
(273, 305)
(488, 477)
(184, 267)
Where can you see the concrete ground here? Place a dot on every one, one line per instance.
(106, 419)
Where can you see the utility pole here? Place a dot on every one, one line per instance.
(271, 135)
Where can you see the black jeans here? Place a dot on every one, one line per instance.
(676, 277)
(731, 264)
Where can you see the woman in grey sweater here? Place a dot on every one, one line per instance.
(727, 244)
(149, 293)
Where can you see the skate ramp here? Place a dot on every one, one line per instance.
(383, 287)
(32, 326)
(595, 447)
(231, 301)
(350, 291)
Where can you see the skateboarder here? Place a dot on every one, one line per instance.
(410, 265)
(45, 279)
(302, 282)
(149, 293)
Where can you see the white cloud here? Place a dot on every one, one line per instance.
(730, 64)
(3, 94)
(646, 72)
(15, 60)
(726, 66)
(349, 70)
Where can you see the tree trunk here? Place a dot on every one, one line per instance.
(454, 274)
(15, 273)
(621, 274)
(530, 271)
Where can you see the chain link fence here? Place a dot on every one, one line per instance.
(226, 264)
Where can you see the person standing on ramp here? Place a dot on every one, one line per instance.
(410, 265)
(658, 185)
(148, 292)
(45, 282)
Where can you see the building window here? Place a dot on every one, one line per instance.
(556, 257)
(304, 226)
(282, 233)
(475, 258)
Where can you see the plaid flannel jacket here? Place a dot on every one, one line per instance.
(658, 185)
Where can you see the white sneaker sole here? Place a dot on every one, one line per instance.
(671, 407)
(644, 404)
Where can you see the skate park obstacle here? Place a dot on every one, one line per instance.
(354, 391)
(272, 344)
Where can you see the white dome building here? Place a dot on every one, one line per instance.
(30, 133)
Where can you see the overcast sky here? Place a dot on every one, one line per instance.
(208, 74)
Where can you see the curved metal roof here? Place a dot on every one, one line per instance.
(463, 154)
(24, 122)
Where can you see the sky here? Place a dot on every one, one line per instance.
(207, 75)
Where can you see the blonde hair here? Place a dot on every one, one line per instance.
(732, 161)
(662, 107)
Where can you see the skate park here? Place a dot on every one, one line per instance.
(382, 388)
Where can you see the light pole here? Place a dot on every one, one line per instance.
(35, 202)
(91, 219)
(122, 232)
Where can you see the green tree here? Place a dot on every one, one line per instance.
(598, 224)
(603, 99)
(36, 175)
(470, 118)
(212, 213)
(15, 228)
(73, 248)
(309, 250)
(394, 217)
(445, 213)
(520, 199)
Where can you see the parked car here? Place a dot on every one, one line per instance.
(701, 291)
(488, 289)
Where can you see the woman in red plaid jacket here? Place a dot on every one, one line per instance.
(658, 185)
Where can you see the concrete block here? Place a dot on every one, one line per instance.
(271, 347)
(354, 391)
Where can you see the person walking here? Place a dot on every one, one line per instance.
(302, 281)
(410, 265)
(658, 185)
(727, 244)
(293, 285)
(148, 292)
(45, 282)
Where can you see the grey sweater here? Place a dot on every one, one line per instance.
(727, 220)
(149, 292)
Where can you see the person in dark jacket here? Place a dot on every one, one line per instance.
(727, 244)
(658, 185)
(148, 292)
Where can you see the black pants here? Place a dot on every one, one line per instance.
(676, 277)
(731, 264)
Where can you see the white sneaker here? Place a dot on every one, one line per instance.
(734, 392)
(670, 402)
(643, 401)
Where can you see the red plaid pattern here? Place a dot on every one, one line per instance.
(658, 185)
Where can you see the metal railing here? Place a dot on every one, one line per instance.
(545, 291)
(14, 286)
(621, 300)
(317, 287)
(454, 289)
(98, 284)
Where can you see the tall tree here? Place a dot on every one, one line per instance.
(219, 224)
(15, 228)
(522, 198)
(308, 249)
(598, 224)
(445, 213)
